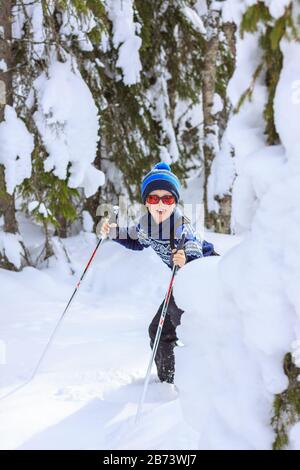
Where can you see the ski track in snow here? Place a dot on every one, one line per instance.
(85, 395)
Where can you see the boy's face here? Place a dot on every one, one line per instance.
(160, 211)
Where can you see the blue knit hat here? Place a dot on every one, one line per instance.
(160, 177)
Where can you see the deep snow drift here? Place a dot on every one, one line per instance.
(86, 393)
(85, 396)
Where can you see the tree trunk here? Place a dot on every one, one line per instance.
(210, 123)
(7, 202)
(222, 219)
(215, 124)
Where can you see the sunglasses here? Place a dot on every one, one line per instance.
(154, 199)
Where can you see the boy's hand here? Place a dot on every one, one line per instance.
(178, 258)
(105, 228)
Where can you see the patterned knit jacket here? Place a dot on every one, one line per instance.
(161, 237)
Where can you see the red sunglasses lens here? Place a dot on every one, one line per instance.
(168, 200)
(154, 199)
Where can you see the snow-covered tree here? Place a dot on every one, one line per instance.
(102, 87)
(52, 101)
(15, 148)
(263, 131)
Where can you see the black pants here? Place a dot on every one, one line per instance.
(165, 358)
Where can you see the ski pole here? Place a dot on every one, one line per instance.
(100, 241)
(158, 332)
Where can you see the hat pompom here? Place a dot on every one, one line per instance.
(162, 166)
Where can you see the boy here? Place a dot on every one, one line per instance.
(161, 228)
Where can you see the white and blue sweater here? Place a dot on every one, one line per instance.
(161, 237)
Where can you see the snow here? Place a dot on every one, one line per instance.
(260, 170)
(11, 247)
(248, 57)
(79, 25)
(43, 210)
(33, 205)
(32, 13)
(296, 352)
(286, 93)
(160, 110)
(201, 7)
(222, 174)
(67, 119)
(232, 10)
(126, 39)
(86, 393)
(228, 407)
(187, 114)
(2, 353)
(3, 65)
(246, 314)
(217, 104)
(35, 13)
(40, 206)
(242, 309)
(88, 222)
(18, 18)
(240, 325)
(16, 146)
(193, 17)
(245, 130)
(277, 7)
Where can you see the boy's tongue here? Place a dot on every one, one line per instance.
(160, 214)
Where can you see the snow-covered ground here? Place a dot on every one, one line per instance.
(85, 395)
